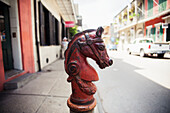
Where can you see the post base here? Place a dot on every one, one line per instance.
(74, 108)
(92, 111)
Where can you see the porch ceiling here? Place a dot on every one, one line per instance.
(67, 10)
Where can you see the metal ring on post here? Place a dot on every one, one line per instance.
(81, 108)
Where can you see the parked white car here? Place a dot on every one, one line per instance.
(146, 46)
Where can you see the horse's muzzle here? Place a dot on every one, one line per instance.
(110, 62)
(105, 63)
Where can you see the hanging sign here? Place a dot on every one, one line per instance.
(164, 25)
(69, 24)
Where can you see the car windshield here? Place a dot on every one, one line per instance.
(146, 41)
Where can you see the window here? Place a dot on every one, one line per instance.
(49, 27)
(146, 41)
(150, 8)
(152, 35)
(159, 34)
(162, 4)
(63, 28)
(57, 32)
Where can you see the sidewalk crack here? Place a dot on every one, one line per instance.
(42, 95)
(41, 105)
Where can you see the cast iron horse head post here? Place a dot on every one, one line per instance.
(84, 44)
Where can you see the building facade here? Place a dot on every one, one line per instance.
(31, 32)
(155, 12)
(142, 18)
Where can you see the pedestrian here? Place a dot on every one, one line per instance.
(64, 46)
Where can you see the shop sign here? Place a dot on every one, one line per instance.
(164, 25)
(69, 24)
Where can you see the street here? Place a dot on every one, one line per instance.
(134, 84)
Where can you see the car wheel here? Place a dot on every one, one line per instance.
(142, 53)
(160, 55)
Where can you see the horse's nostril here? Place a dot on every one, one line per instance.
(110, 62)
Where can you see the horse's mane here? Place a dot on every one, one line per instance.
(70, 44)
(75, 38)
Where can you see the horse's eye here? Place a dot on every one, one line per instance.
(101, 47)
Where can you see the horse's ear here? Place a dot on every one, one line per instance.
(99, 31)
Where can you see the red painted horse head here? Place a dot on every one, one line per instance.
(85, 44)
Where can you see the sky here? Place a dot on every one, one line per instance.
(97, 13)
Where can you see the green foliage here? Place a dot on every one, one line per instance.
(124, 20)
(117, 41)
(131, 16)
(73, 31)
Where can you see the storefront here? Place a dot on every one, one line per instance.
(6, 37)
(30, 34)
(167, 27)
(16, 47)
(154, 30)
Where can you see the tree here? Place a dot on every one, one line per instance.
(72, 31)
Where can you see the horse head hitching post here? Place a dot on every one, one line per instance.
(84, 44)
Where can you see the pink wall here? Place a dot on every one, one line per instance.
(26, 35)
(168, 4)
(146, 8)
(155, 7)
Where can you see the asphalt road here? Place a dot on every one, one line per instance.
(134, 84)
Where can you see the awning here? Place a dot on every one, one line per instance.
(166, 17)
(67, 10)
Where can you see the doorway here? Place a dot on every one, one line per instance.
(168, 33)
(5, 37)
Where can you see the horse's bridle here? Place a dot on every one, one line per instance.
(89, 42)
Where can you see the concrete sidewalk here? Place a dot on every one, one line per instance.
(48, 93)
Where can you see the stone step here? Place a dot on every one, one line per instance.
(19, 81)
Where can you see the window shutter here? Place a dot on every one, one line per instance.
(50, 29)
(41, 24)
(163, 4)
(54, 30)
(153, 33)
(63, 28)
(150, 8)
(161, 33)
(57, 31)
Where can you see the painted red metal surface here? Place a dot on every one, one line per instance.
(81, 74)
